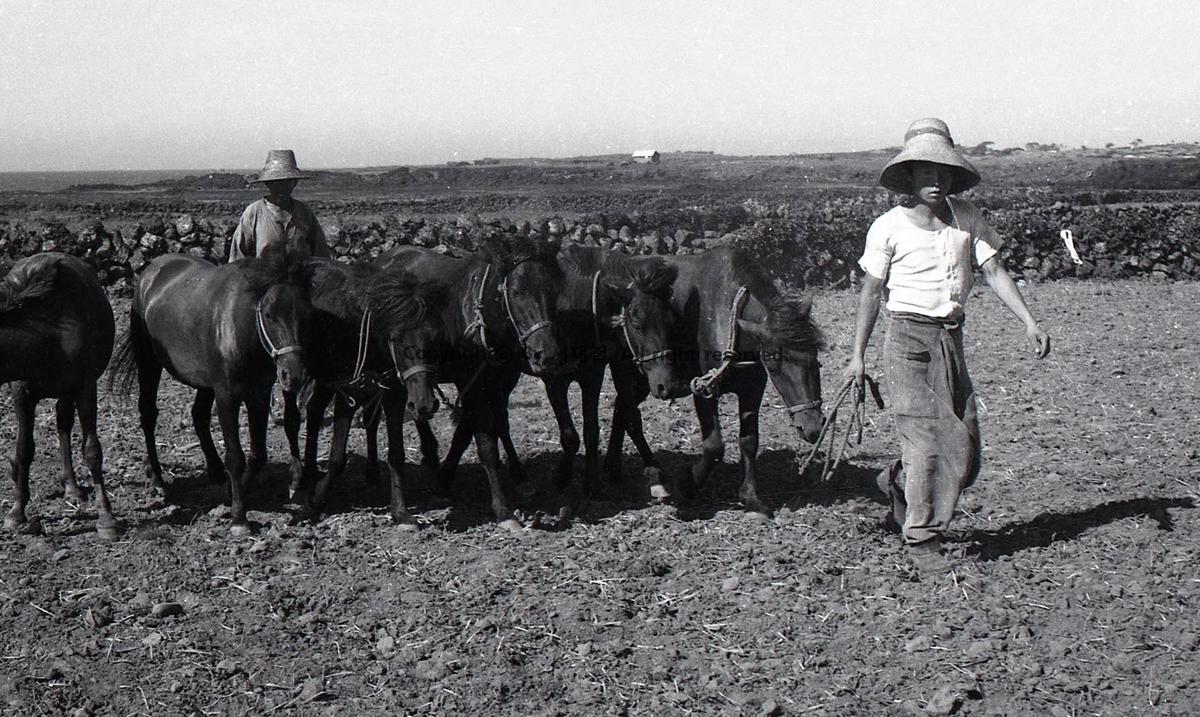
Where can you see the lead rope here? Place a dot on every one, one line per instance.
(708, 386)
(835, 451)
(265, 338)
(477, 322)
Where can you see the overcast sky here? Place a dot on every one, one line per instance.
(153, 84)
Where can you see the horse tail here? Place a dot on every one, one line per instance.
(131, 344)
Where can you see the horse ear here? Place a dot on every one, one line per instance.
(758, 333)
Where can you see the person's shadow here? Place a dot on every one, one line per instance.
(1049, 528)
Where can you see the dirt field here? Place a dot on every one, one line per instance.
(1074, 590)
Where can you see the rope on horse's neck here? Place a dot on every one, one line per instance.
(364, 336)
(596, 306)
(708, 385)
(265, 337)
(477, 321)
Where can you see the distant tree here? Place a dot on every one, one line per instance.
(981, 149)
(1109, 145)
(1136, 143)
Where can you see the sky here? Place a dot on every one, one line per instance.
(148, 84)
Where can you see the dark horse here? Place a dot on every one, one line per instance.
(745, 331)
(230, 332)
(56, 332)
(614, 312)
(501, 317)
(374, 335)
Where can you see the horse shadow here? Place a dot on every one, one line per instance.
(1049, 528)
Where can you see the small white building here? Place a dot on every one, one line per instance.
(646, 156)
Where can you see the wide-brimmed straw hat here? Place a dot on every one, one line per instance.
(928, 140)
(280, 164)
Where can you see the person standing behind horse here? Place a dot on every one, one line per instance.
(919, 257)
(278, 217)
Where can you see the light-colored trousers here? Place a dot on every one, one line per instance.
(933, 404)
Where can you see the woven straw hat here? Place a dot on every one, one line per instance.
(280, 164)
(928, 140)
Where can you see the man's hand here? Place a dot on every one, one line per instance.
(1038, 339)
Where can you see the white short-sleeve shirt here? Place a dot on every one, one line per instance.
(929, 272)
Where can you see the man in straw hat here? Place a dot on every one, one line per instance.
(278, 217)
(922, 253)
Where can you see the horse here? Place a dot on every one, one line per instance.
(614, 312)
(745, 331)
(374, 335)
(229, 331)
(502, 320)
(56, 338)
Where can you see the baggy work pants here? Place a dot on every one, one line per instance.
(933, 404)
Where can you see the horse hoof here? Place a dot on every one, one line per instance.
(405, 523)
(108, 532)
(659, 492)
(758, 509)
(239, 530)
(77, 495)
(33, 526)
(512, 525)
(15, 523)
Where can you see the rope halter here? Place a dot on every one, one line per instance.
(265, 337)
(522, 336)
(640, 360)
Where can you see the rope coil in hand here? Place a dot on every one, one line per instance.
(836, 450)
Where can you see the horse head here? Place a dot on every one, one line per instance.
(280, 280)
(531, 283)
(788, 343)
(412, 323)
(652, 329)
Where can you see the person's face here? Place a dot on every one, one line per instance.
(931, 182)
(281, 187)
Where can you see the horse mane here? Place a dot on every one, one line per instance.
(30, 280)
(339, 286)
(508, 253)
(789, 319)
(655, 277)
(401, 300)
(279, 264)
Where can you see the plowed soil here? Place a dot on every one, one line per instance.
(1074, 587)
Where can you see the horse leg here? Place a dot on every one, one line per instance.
(302, 481)
(370, 425)
(393, 410)
(202, 406)
(749, 402)
(486, 436)
(291, 429)
(343, 414)
(258, 416)
(64, 421)
(589, 390)
(93, 458)
(458, 445)
(24, 405)
(632, 389)
(712, 448)
(516, 471)
(149, 373)
(429, 445)
(568, 437)
(228, 410)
